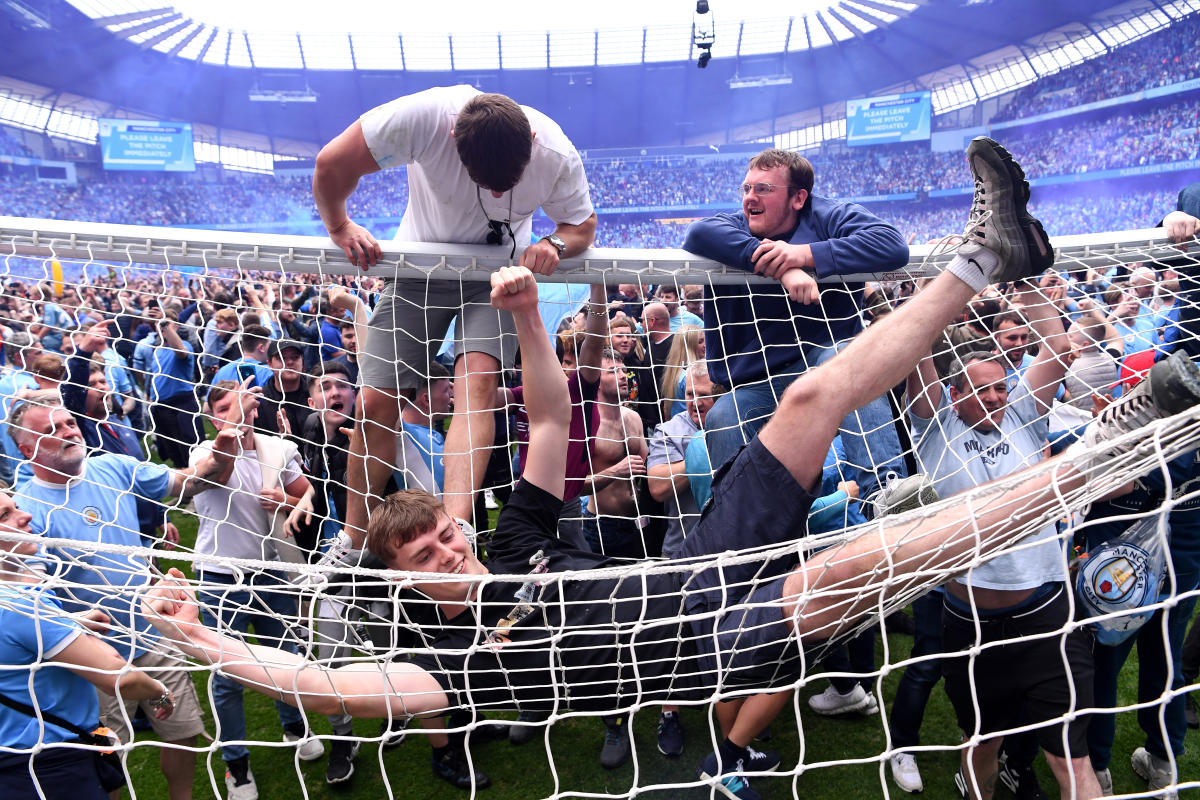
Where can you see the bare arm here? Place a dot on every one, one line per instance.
(339, 166)
(171, 338)
(668, 480)
(343, 299)
(1047, 370)
(97, 663)
(597, 334)
(924, 389)
(547, 400)
(215, 467)
(360, 690)
(542, 257)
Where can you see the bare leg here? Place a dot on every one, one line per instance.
(755, 714)
(1086, 786)
(835, 588)
(812, 408)
(981, 768)
(472, 431)
(727, 713)
(372, 456)
(179, 768)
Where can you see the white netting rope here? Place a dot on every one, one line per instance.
(234, 262)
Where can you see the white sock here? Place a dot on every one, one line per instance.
(974, 269)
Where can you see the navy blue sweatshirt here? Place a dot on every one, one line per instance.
(752, 334)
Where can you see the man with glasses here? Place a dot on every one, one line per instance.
(771, 334)
(479, 166)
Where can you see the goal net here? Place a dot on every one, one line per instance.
(601, 651)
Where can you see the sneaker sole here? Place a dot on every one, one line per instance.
(717, 785)
(1036, 254)
(1175, 384)
(863, 709)
(343, 779)
(670, 755)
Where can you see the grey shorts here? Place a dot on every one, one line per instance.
(184, 723)
(411, 320)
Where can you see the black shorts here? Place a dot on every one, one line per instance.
(1026, 681)
(736, 608)
(64, 773)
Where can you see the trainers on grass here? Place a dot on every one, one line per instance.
(341, 761)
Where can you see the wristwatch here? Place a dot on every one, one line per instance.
(558, 243)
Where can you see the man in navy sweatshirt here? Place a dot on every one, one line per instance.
(759, 338)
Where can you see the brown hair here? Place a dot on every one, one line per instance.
(218, 390)
(800, 169)
(400, 518)
(626, 322)
(494, 141)
(49, 365)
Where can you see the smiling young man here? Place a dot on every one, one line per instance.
(759, 338)
(511, 636)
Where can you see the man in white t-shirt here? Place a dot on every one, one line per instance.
(235, 523)
(986, 432)
(479, 166)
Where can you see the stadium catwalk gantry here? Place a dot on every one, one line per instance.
(48, 250)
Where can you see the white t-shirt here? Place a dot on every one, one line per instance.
(443, 201)
(957, 457)
(232, 523)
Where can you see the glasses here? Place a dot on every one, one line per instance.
(763, 188)
(496, 227)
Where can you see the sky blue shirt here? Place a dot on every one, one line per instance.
(685, 317)
(11, 383)
(431, 443)
(99, 506)
(232, 371)
(57, 320)
(33, 629)
(170, 372)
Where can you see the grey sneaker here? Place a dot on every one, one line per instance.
(615, 751)
(1172, 386)
(904, 494)
(1104, 778)
(999, 220)
(1156, 772)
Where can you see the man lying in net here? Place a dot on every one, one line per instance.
(726, 624)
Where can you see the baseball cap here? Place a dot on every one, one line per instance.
(279, 345)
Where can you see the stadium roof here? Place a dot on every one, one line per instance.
(480, 34)
(61, 68)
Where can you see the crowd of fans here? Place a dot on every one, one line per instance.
(11, 147)
(153, 361)
(1162, 58)
(1134, 138)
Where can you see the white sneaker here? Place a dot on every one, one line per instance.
(241, 791)
(489, 500)
(832, 702)
(310, 747)
(905, 772)
(1155, 771)
(339, 553)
